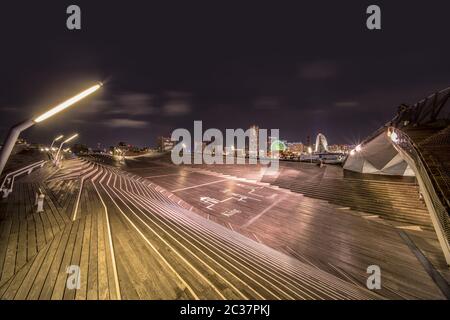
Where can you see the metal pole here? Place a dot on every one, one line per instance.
(10, 141)
(51, 146)
(53, 142)
(57, 154)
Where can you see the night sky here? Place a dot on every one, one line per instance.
(304, 68)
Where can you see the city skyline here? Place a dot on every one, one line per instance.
(163, 69)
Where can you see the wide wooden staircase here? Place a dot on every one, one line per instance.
(390, 199)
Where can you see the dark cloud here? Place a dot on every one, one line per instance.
(318, 70)
(9, 109)
(177, 104)
(267, 103)
(125, 123)
(346, 104)
(176, 108)
(136, 104)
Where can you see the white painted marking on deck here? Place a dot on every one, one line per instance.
(257, 239)
(150, 244)
(414, 228)
(259, 215)
(163, 175)
(199, 185)
(111, 246)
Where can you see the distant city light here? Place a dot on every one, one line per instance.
(394, 137)
(358, 148)
(278, 145)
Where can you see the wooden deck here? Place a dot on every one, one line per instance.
(133, 239)
(333, 237)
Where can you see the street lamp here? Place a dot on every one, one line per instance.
(63, 143)
(54, 140)
(15, 131)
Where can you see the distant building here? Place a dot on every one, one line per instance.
(254, 135)
(79, 148)
(165, 144)
(340, 148)
(295, 147)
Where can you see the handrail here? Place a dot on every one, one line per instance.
(438, 168)
(24, 168)
(18, 172)
(437, 207)
(436, 184)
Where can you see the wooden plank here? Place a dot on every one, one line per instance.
(46, 225)
(41, 276)
(21, 258)
(103, 289)
(57, 213)
(110, 257)
(28, 275)
(11, 251)
(49, 284)
(69, 294)
(10, 239)
(61, 279)
(92, 286)
(31, 226)
(40, 234)
(4, 238)
(81, 294)
(51, 223)
(15, 283)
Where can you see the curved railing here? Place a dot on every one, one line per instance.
(429, 186)
(8, 182)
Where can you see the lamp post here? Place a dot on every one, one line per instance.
(15, 131)
(60, 146)
(54, 140)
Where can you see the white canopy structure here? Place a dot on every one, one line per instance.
(378, 156)
(321, 144)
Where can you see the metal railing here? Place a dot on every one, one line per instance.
(8, 182)
(431, 186)
(443, 179)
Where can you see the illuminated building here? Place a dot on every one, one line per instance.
(165, 144)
